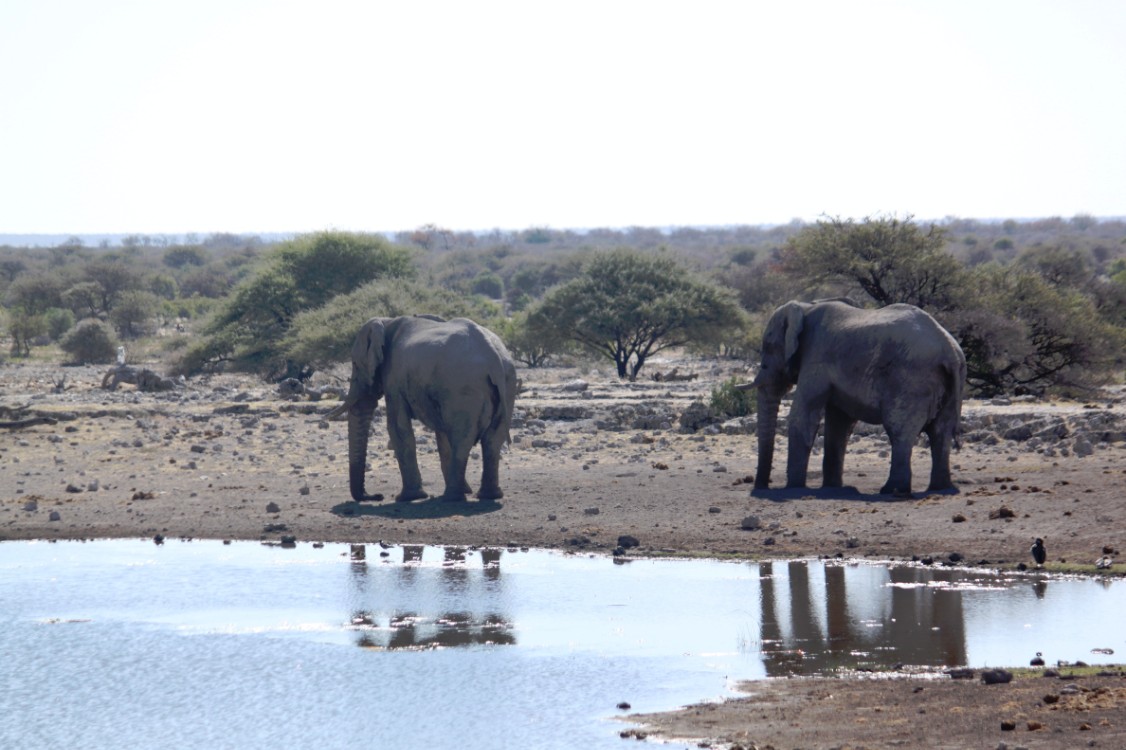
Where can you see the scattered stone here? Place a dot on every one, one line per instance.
(1003, 512)
(55, 516)
(996, 676)
(960, 673)
(591, 511)
(958, 518)
(1008, 726)
(73, 489)
(714, 509)
(751, 523)
(31, 506)
(955, 557)
(627, 542)
(272, 507)
(623, 706)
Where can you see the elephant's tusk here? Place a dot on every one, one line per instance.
(338, 413)
(746, 386)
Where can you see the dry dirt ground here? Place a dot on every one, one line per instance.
(592, 460)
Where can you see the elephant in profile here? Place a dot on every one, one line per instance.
(894, 366)
(454, 376)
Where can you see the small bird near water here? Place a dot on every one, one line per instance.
(1039, 554)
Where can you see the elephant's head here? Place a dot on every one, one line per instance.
(364, 392)
(778, 371)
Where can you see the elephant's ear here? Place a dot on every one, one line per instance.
(367, 350)
(795, 319)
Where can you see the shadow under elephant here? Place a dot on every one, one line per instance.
(431, 508)
(847, 492)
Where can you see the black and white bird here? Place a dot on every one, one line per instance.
(1039, 554)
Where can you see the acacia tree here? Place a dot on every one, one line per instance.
(627, 306)
(248, 331)
(889, 259)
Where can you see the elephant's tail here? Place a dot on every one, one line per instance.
(504, 399)
(952, 405)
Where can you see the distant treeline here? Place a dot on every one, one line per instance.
(1036, 304)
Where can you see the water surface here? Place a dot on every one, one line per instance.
(126, 644)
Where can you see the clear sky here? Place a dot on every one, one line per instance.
(162, 116)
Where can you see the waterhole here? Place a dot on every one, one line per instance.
(127, 644)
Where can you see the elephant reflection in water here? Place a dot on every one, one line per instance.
(410, 630)
(907, 623)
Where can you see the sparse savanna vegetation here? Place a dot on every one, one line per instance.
(1037, 305)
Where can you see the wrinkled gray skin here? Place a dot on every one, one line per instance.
(453, 376)
(894, 366)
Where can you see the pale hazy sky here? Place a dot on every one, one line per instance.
(158, 116)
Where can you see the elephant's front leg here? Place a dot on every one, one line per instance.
(804, 421)
(454, 455)
(445, 457)
(401, 433)
(838, 428)
(941, 440)
(899, 478)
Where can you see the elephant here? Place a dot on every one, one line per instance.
(454, 376)
(894, 366)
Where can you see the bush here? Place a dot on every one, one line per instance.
(249, 328)
(90, 342)
(324, 335)
(727, 401)
(59, 321)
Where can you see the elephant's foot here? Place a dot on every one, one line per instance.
(452, 497)
(407, 495)
(492, 493)
(895, 491)
(374, 497)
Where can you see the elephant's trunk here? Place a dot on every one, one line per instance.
(767, 426)
(359, 428)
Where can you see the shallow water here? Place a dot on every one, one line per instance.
(125, 644)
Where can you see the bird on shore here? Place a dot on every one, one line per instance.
(1039, 554)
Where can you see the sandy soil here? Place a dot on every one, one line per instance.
(592, 460)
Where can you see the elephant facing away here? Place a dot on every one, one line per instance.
(454, 376)
(894, 366)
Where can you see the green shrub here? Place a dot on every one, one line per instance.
(324, 335)
(90, 342)
(728, 402)
(59, 321)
